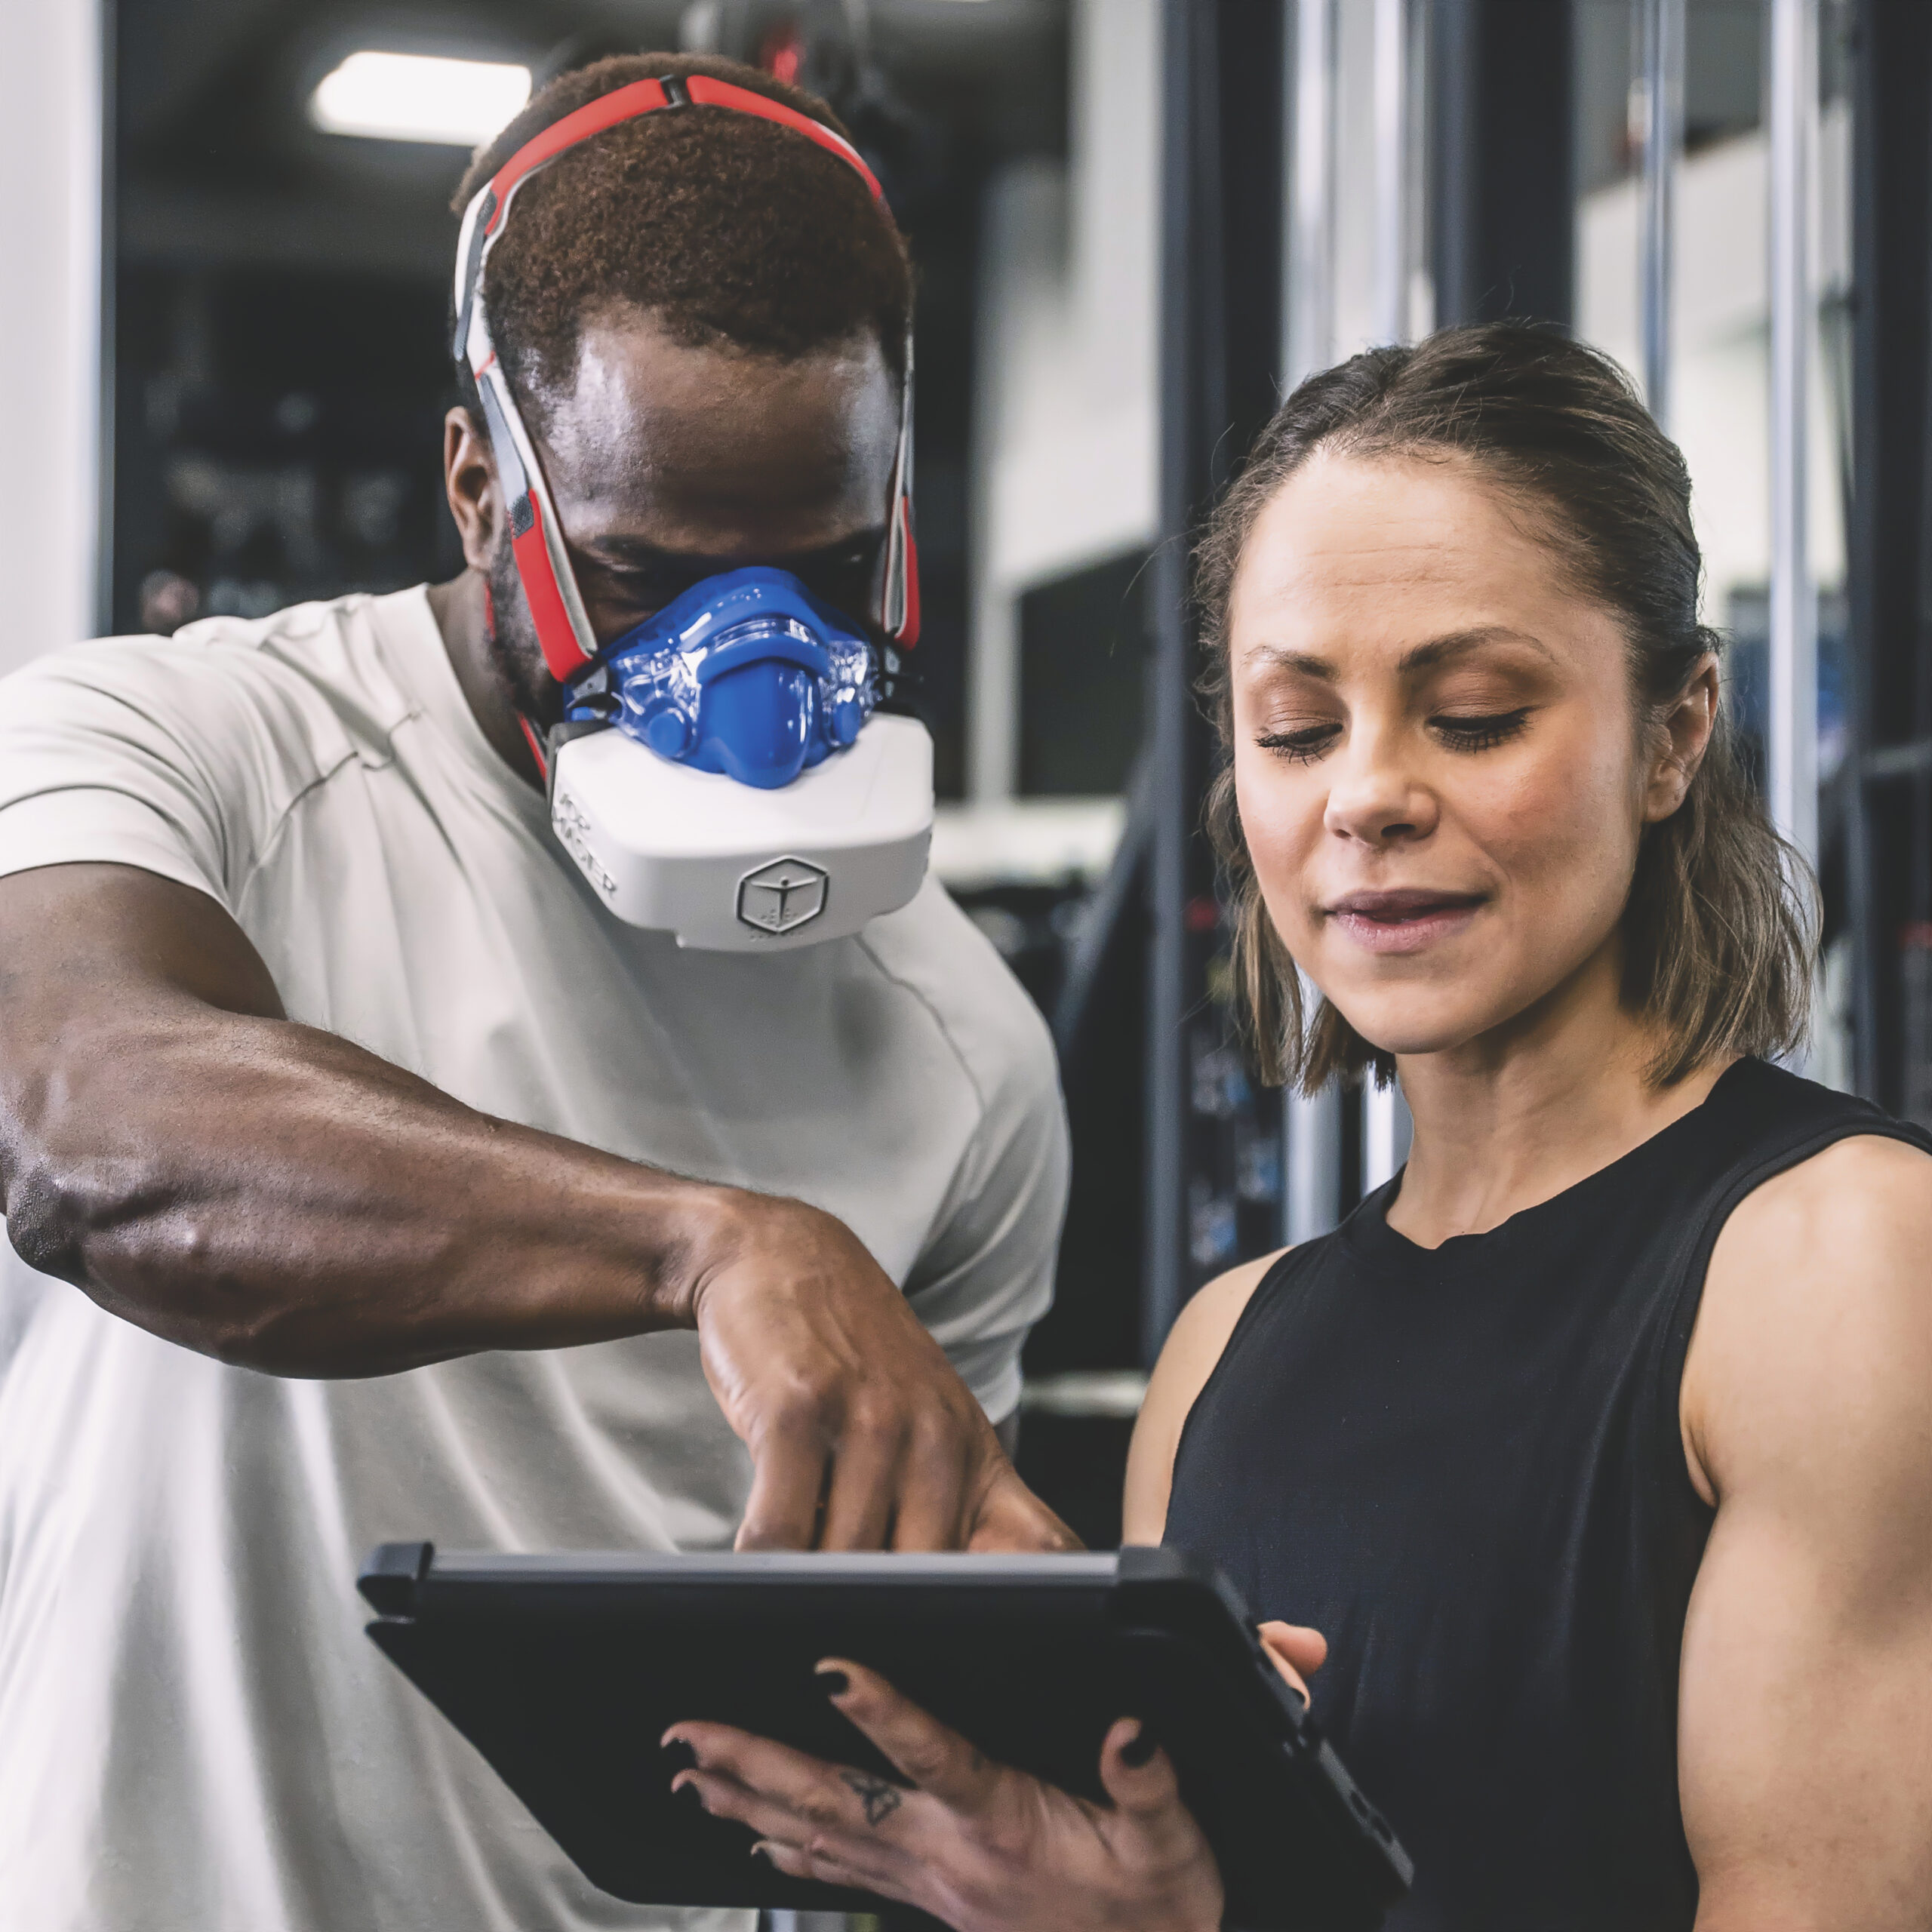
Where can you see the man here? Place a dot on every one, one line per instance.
(365, 1129)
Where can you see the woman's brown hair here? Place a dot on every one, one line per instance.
(1720, 928)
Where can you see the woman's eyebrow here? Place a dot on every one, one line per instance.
(1458, 644)
(1426, 656)
(1282, 658)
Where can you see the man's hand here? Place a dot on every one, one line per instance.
(980, 1845)
(862, 1436)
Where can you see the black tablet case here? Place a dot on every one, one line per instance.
(563, 1671)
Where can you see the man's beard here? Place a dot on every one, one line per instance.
(515, 651)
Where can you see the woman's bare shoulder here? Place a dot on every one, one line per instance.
(1195, 1343)
(1818, 1273)
(1193, 1348)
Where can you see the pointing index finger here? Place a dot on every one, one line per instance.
(788, 1479)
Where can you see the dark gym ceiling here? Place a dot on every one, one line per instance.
(218, 166)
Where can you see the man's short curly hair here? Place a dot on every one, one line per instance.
(726, 228)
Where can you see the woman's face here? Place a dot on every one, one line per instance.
(1435, 749)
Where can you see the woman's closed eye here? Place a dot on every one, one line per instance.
(1466, 731)
(1301, 742)
(1463, 731)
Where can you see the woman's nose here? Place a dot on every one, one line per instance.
(1373, 797)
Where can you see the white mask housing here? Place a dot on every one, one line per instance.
(723, 772)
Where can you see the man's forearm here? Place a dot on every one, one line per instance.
(276, 1196)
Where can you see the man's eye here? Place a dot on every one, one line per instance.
(1467, 732)
(1301, 745)
(843, 582)
(660, 586)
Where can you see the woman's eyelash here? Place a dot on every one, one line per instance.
(1466, 733)
(1479, 734)
(1301, 745)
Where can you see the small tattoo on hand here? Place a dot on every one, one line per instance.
(880, 1799)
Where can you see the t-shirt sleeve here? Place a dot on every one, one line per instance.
(987, 1275)
(142, 752)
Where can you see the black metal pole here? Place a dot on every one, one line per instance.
(1220, 346)
(1502, 173)
(1890, 607)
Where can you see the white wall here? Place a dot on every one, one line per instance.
(49, 240)
(1720, 331)
(1067, 437)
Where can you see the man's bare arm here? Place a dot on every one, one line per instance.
(1805, 1734)
(271, 1194)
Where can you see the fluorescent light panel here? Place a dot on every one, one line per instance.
(415, 97)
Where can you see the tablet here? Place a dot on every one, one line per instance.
(563, 1671)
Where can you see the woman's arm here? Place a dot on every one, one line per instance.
(1193, 1346)
(1804, 1735)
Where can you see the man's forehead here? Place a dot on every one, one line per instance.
(637, 392)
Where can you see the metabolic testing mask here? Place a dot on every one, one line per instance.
(723, 770)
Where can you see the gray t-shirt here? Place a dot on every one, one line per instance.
(194, 1735)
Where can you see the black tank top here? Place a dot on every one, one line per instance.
(1465, 1465)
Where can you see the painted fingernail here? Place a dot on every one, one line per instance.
(835, 1683)
(1138, 1749)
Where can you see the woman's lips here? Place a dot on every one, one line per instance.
(1403, 921)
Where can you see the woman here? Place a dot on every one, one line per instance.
(1595, 1443)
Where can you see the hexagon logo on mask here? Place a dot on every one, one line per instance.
(782, 896)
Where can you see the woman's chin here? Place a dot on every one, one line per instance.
(1407, 1028)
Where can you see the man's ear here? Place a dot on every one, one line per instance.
(1685, 732)
(470, 486)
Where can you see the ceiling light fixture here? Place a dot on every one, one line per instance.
(415, 98)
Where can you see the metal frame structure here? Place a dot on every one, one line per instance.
(1791, 746)
(1663, 30)
(1220, 344)
(1386, 1129)
(1313, 1125)
(1309, 299)
(1391, 170)
(1887, 773)
(1503, 214)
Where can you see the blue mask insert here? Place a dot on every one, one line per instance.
(746, 673)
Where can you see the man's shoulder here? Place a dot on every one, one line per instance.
(937, 955)
(310, 681)
(328, 649)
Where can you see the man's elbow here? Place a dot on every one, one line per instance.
(52, 1207)
(116, 1230)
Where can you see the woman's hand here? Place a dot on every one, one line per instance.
(982, 1846)
(1295, 1651)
